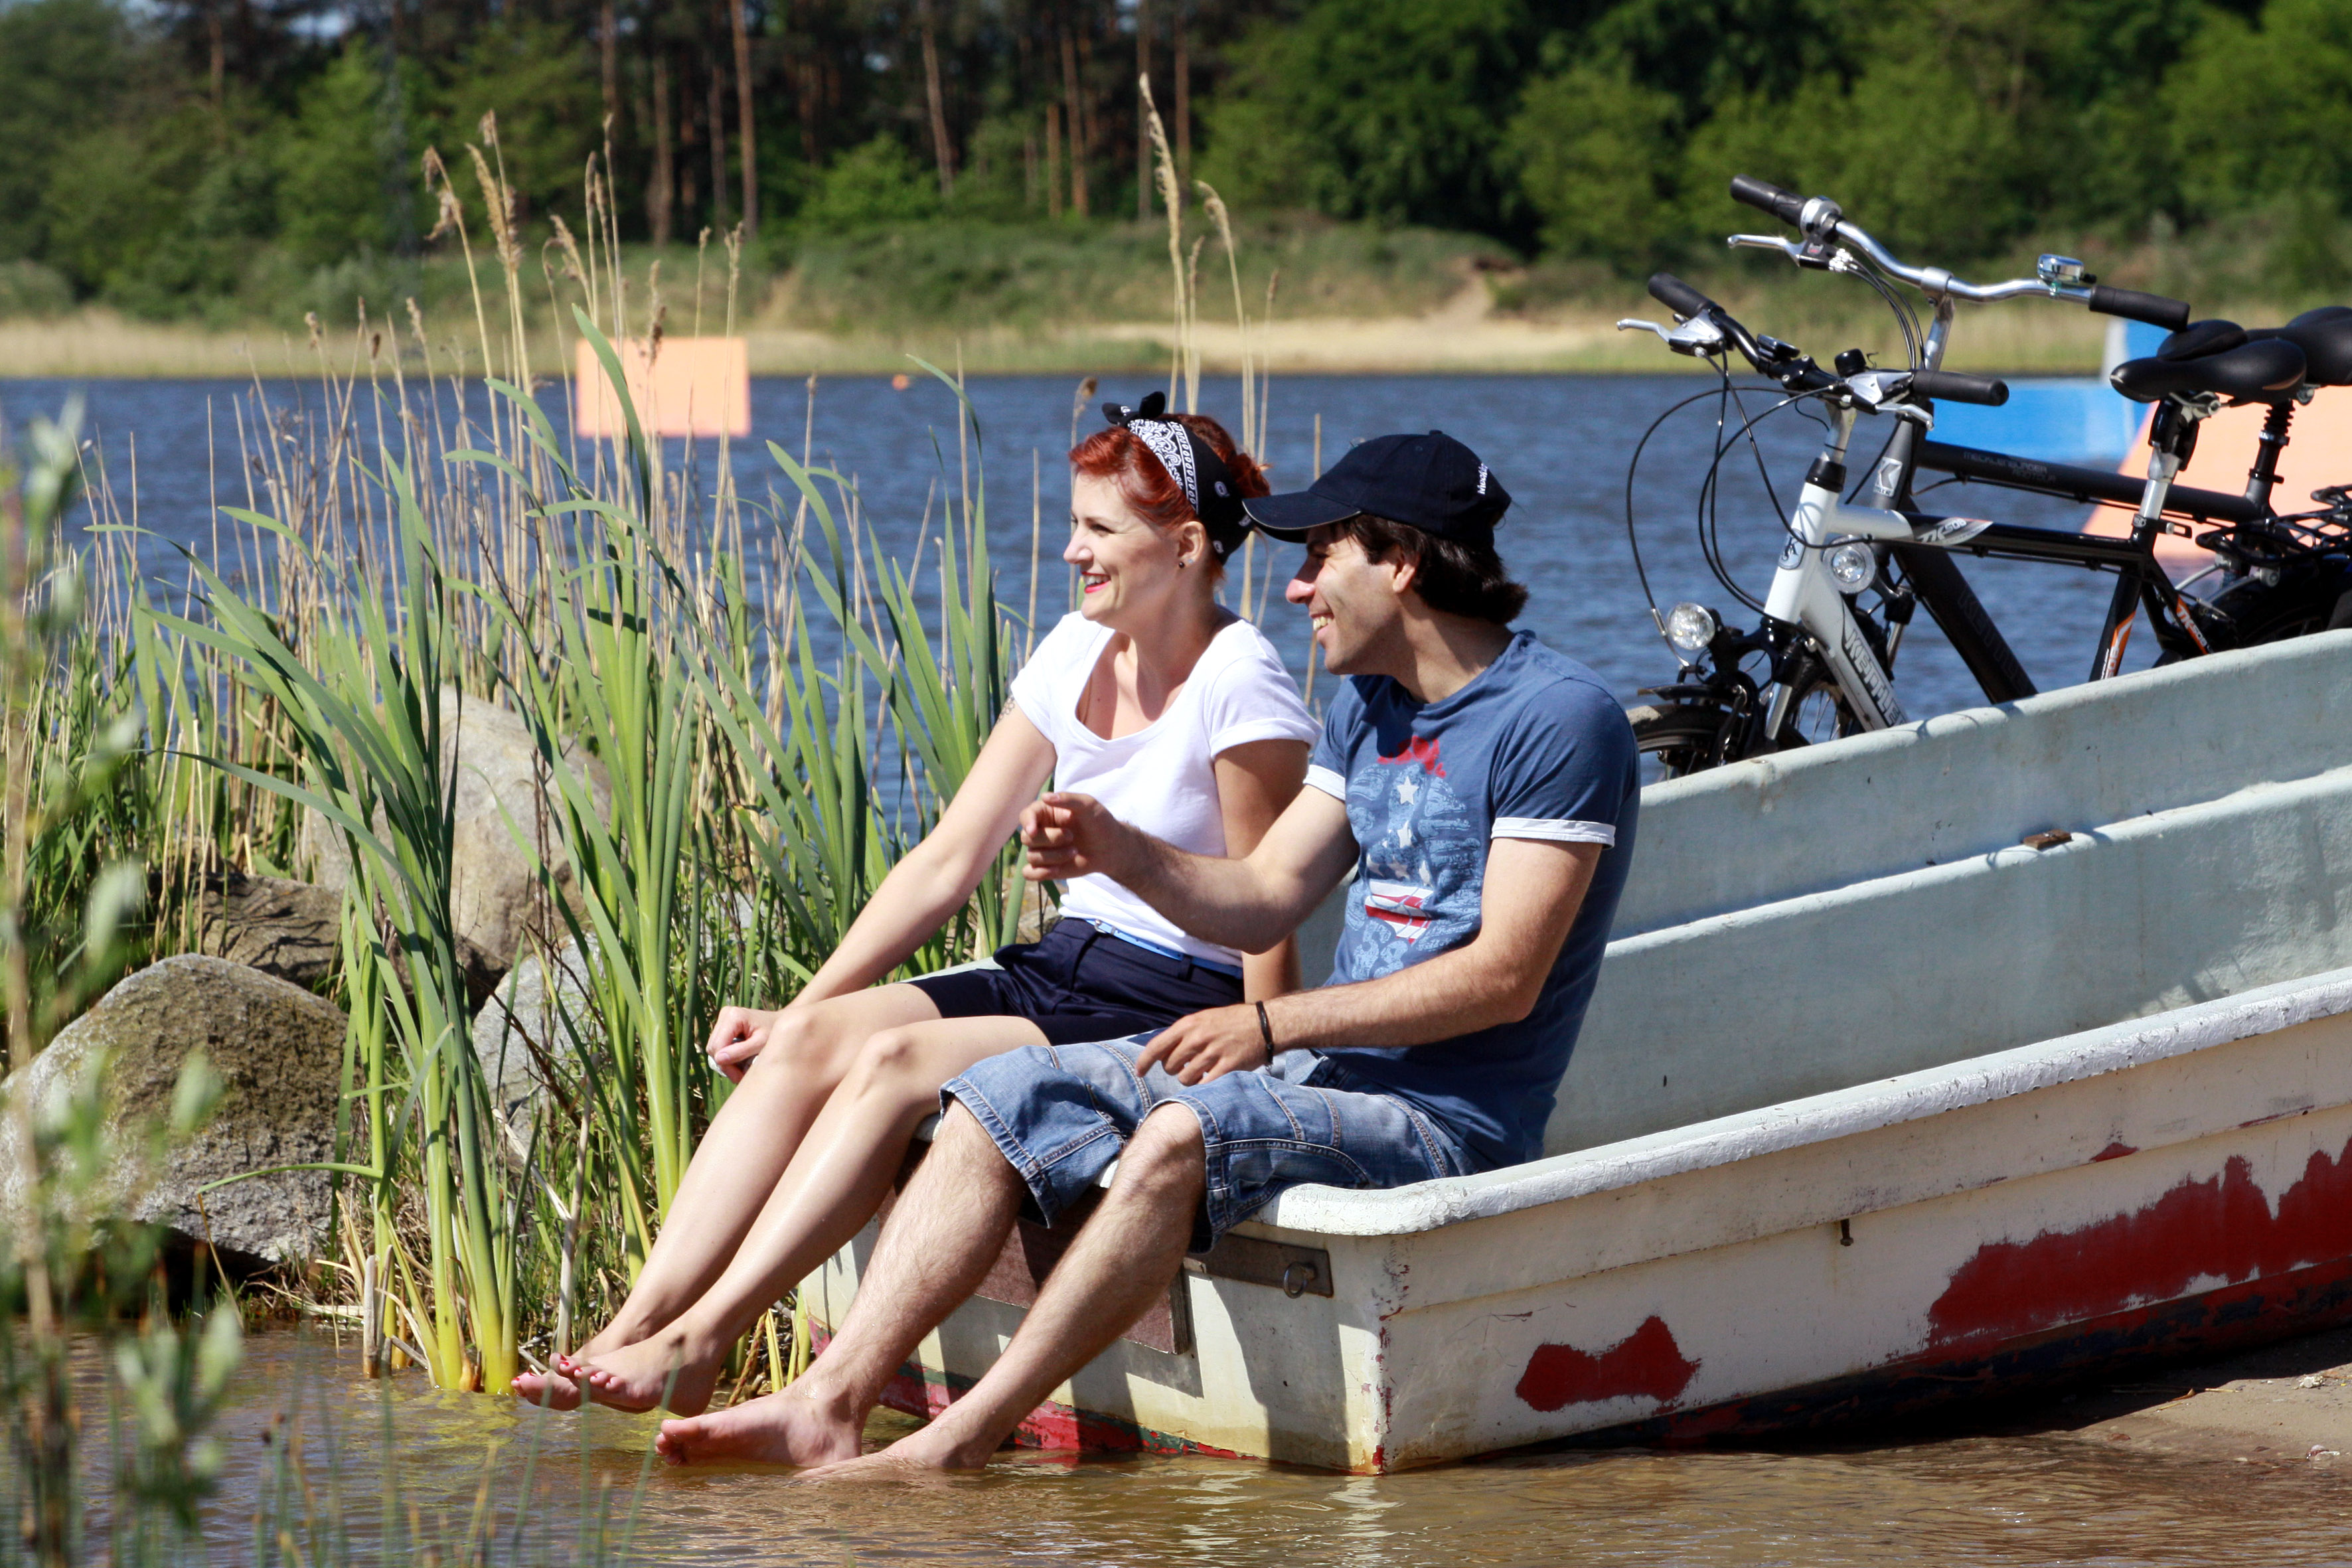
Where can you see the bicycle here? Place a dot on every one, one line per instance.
(1827, 659)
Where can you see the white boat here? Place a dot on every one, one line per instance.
(2003, 1046)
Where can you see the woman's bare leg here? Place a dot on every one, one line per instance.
(736, 1166)
(830, 1189)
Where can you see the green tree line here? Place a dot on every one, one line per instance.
(186, 150)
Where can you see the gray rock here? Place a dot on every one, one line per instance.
(290, 930)
(520, 1038)
(279, 1051)
(493, 893)
(294, 930)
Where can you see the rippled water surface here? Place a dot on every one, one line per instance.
(2039, 1499)
(1561, 444)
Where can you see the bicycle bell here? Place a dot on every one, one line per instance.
(2061, 272)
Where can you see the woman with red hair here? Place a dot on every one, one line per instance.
(1150, 696)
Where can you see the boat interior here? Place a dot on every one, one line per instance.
(1976, 882)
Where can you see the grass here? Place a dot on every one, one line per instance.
(741, 711)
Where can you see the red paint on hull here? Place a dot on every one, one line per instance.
(1647, 1362)
(2216, 1322)
(1051, 1426)
(2220, 1227)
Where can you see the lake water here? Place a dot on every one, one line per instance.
(2033, 1494)
(1559, 443)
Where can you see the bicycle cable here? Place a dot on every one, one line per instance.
(1633, 467)
(1710, 499)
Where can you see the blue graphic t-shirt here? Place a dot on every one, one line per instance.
(1534, 747)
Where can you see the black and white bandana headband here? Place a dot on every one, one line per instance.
(1192, 462)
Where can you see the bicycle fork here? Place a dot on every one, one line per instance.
(1805, 598)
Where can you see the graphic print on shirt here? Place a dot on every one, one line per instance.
(1424, 863)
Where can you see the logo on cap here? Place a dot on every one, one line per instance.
(1482, 478)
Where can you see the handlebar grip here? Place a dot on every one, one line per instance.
(1956, 386)
(1782, 204)
(1679, 295)
(2133, 306)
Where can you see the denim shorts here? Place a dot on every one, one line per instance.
(1080, 982)
(1060, 1115)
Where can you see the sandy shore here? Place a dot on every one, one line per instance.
(1465, 336)
(2275, 1407)
(2282, 1404)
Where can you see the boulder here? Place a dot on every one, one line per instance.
(294, 930)
(519, 1038)
(493, 892)
(279, 1051)
(287, 929)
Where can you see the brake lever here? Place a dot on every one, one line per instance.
(1698, 336)
(1788, 247)
(1883, 391)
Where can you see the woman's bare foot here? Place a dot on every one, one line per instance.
(547, 1390)
(557, 1388)
(638, 1376)
(789, 1428)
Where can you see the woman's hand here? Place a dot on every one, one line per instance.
(1208, 1045)
(740, 1035)
(1069, 835)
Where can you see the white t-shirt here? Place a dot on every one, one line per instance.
(1159, 779)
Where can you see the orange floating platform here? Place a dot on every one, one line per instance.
(691, 387)
(2318, 452)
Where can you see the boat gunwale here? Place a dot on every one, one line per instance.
(1812, 1119)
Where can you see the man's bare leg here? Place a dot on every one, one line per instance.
(736, 1166)
(830, 1190)
(934, 1251)
(1120, 1263)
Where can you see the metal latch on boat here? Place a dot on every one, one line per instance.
(1293, 1270)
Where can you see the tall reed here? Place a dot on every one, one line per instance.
(741, 713)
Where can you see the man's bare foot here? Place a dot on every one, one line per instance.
(936, 1450)
(635, 1378)
(549, 1389)
(783, 1428)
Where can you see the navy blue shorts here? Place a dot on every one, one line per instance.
(1080, 983)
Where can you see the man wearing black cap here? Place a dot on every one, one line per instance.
(1481, 788)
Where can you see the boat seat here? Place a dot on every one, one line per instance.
(2325, 336)
(2261, 369)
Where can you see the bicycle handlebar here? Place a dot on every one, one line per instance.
(2153, 309)
(1957, 387)
(1785, 206)
(2133, 306)
(1679, 295)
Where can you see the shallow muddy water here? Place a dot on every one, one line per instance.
(2041, 1498)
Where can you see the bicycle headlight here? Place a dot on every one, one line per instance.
(1689, 628)
(1852, 565)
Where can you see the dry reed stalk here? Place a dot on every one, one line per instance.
(1184, 366)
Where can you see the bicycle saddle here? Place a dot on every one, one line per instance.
(2199, 339)
(2325, 336)
(2258, 370)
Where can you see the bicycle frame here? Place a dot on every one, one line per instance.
(1804, 593)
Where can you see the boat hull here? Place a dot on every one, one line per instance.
(1910, 1096)
(2146, 1192)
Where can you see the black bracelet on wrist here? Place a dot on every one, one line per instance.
(1266, 1030)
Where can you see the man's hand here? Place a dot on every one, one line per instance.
(1200, 1047)
(740, 1035)
(1069, 836)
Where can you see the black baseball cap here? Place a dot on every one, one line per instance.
(1430, 482)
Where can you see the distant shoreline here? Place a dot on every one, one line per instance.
(1465, 336)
